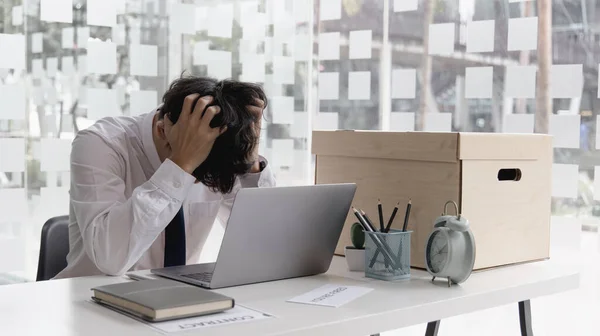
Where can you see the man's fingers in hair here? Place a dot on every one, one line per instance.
(201, 105)
(258, 103)
(255, 110)
(223, 129)
(188, 103)
(210, 113)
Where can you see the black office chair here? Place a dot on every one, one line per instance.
(54, 248)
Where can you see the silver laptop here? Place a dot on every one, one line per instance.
(272, 234)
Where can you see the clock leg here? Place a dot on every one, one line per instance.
(432, 328)
(525, 318)
(449, 282)
(433, 279)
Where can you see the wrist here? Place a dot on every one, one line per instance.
(183, 164)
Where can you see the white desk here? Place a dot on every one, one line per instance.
(62, 307)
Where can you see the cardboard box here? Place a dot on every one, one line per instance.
(501, 183)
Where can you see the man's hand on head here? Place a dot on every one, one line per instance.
(256, 109)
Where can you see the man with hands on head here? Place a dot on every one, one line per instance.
(146, 190)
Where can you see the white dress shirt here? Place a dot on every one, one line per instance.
(122, 197)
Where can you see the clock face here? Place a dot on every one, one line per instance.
(437, 248)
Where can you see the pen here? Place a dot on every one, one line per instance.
(380, 215)
(368, 220)
(407, 215)
(386, 252)
(389, 224)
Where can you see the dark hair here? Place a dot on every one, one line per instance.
(231, 153)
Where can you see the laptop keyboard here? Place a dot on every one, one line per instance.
(203, 276)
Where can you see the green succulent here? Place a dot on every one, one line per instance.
(357, 235)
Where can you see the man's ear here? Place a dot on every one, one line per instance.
(160, 126)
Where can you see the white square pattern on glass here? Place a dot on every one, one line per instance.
(329, 46)
(55, 155)
(565, 130)
(523, 33)
(479, 82)
(102, 12)
(326, 121)
(56, 11)
(329, 86)
(405, 5)
(102, 103)
(15, 59)
(441, 38)
(141, 102)
(566, 81)
(480, 36)
(438, 122)
(102, 58)
(12, 101)
(282, 109)
(565, 180)
(330, 10)
(144, 60)
(520, 81)
(360, 44)
(12, 155)
(359, 85)
(518, 123)
(402, 121)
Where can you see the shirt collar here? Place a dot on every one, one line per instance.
(148, 141)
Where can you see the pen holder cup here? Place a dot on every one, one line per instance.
(387, 255)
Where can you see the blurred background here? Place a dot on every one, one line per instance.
(405, 65)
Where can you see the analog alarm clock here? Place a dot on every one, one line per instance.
(450, 250)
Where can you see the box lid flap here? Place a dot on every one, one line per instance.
(503, 146)
(420, 146)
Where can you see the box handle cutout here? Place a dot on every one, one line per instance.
(512, 174)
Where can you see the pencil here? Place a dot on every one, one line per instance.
(367, 219)
(389, 224)
(380, 215)
(407, 215)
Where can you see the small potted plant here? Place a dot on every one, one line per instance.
(355, 254)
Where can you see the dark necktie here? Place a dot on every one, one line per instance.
(175, 241)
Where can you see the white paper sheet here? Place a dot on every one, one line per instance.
(253, 68)
(438, 122)
(441, 39)
(518, 123)
(12, 101)
(219, 64)
(302, 48)
(480, 36)
(102, 12)
(283, 152)
(55, 154)
(479, 82)
(17, 15)
(102, 58)
(13, 204)
(329, 46)
(54, 201)
(359, 85)
(56, 11)
(37, 42)
(520, 81)
(565, 180)
(12, 155)
(331, 295)
(360, 44)
(102, 103)
(565, 130)
(330, 10)
(15, 59)
(566, 81)
(282, 109)
(220, 20)
(405, 5)
(141, 102)
(144, 60)
(83, 36)
(326, 121)
(402, 121)
(300, 126)
(238, 314)
(522, 33)
(182, 19)
(284, 70)
(329, 85)
(404, 83)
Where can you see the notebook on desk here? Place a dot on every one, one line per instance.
(161, 299)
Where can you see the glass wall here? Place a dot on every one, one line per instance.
(401, 65)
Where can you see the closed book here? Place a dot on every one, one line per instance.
(161, 299)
